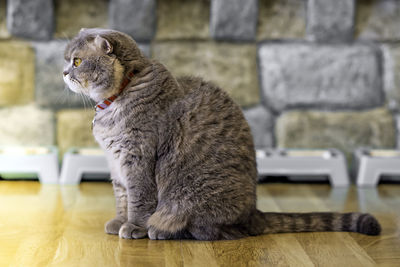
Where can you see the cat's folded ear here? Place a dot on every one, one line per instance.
(103, 44)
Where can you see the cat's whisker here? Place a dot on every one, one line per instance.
(68, 93)
(83, 99)
(60, 97)
(89, 101)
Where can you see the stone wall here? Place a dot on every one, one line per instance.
(308, 73)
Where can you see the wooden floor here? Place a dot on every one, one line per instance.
(63, 226)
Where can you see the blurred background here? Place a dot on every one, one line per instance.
(307, 73)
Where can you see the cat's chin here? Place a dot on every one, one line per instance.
(97, 96)
(77, 90)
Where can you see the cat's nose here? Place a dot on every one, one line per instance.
(65, 72)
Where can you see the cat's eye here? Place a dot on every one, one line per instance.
(77, 61)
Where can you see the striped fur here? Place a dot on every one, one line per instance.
(181, 153)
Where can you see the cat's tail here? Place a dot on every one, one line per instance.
(363, 223)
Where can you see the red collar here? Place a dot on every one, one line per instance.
(105, 103)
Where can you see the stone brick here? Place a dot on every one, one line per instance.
(281, 19)
(391, 54)
(182, 19)
(134, 17)
(17, 73)
(3, 27)
(261, 123)
(378, 19)
(320, 76)
(343, 130)
(72, 15)
(231, 66)
(329, 20)
(30, 19)
(51, 90)
(26, 125)
(233, 20)
(74, 129)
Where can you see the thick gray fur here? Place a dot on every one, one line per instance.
(180, 150)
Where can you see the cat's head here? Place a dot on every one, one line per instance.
(97, 60)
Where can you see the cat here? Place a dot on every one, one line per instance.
(180, 151)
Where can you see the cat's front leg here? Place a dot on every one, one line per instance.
(113, 226)
(141, 194)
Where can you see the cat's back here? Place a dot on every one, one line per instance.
(207, 102)
(209, 127)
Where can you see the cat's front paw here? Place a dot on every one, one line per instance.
(131, 231)
(112, 226)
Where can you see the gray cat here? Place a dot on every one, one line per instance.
(180, 151)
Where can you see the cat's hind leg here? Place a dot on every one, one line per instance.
(167, 223)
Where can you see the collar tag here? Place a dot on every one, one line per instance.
(94, 119)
